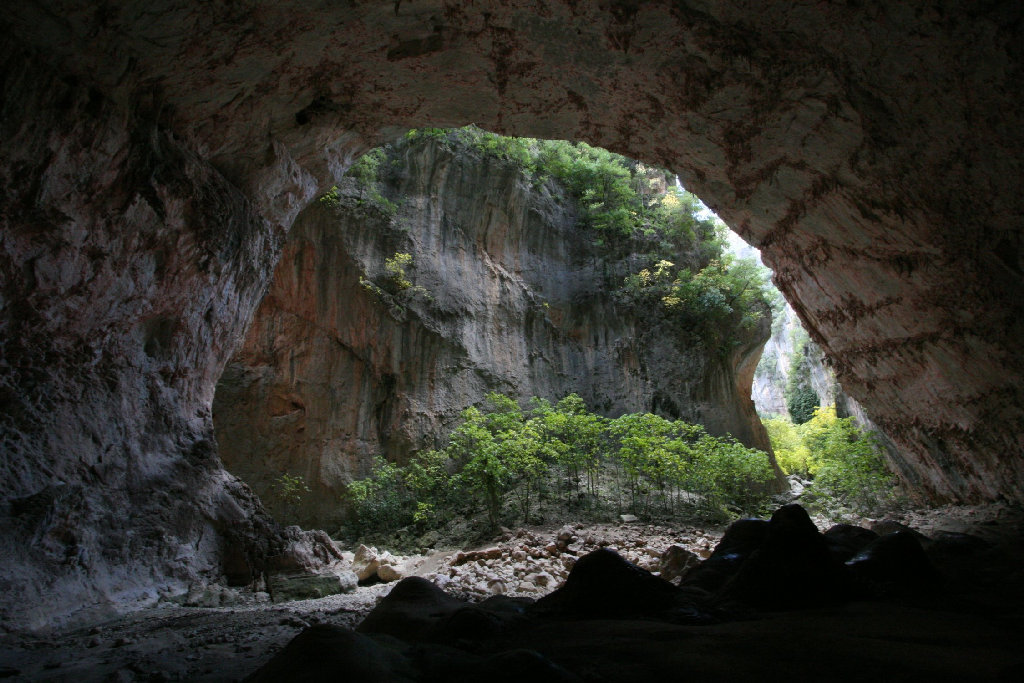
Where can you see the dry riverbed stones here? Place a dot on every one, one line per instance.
(531, 562)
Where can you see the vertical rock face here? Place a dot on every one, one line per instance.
(127, 266)
(126, 261)
(772, 371)
(517, 299)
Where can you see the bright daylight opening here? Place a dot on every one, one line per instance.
(476, 339)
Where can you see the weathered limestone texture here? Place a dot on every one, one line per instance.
(517, 299)
(128, 264)
(153, 153)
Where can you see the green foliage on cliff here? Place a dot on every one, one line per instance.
(366, 171)
(394, 287)
(394, 269)
(515, 465)
(713, 305)
(801, 399)
(634, 209)
(617, 197)
(288, 491)
(844, 462)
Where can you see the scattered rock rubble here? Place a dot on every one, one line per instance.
(215, 634)
(531, 562)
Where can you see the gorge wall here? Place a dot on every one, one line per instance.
(154, 155)
(518, 299)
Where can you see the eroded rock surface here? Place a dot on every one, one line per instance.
(153, 158)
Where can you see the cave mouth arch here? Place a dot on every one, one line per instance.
(512, 282)
(152, 173)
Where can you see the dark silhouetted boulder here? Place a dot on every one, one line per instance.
(741, 539)
(411, 610)
(676, 562)
(846, 540)
(602, 585)
(332, 653)
(894, 565)
(792, 568)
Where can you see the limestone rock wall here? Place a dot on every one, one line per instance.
(519, 301)
(127, 263)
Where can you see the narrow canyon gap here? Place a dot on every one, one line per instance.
(155, 154)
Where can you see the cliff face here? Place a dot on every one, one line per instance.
(516, 299)
(772, 371)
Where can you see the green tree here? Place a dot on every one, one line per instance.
(844, 461)
(498, 449)
(380, 501)
(573, 437)
(847, 463)
(290, 490)
(791, 453)
(801, 399)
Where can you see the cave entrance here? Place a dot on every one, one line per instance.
(453, 264)
(153, 170)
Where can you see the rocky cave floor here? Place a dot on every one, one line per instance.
(965, 622)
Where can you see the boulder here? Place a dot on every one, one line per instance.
(365, 563)
(740, 540)
(675, 562)
(845, 540)
(412, 608)
(892, 565)
(307, 586)
(791, 568)
(464, 557)
(389, 572)
(885, 527)
(603, 585)
(212, 595)
(320, 652)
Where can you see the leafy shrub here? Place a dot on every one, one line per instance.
(498, 454)
(395, 287)
(713, 305)
(366, 171)
(801, 399)
(845, 462)
(791, 453)
(290, 489)
(380, 501)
